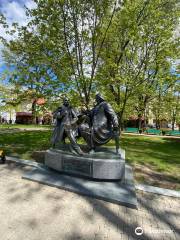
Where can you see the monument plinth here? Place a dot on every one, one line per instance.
(104, 163)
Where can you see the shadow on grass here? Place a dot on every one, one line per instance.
(157, 154)
(146, 176)
(24, 126)
(24, 143)
(160, 149)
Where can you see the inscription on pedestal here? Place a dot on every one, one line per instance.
(77, 166)
(95, 166)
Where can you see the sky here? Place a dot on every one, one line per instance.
(14, 11)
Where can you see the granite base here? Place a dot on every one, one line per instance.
(119, 192)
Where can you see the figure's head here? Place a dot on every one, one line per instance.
(99, 98)
(66, 102)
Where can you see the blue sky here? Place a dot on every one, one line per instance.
(14, 11)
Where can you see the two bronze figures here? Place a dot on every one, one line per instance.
(97, 126)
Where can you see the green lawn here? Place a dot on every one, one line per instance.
(23, 143)
(23, 126)
(163, 154)
(155, 159)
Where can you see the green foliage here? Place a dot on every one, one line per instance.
(166, 105)
(137, 53)
(8, 98)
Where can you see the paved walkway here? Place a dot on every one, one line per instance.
(32, 211)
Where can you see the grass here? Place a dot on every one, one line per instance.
(162, 153)
(23, 143)
(23, 126)
(156, 160)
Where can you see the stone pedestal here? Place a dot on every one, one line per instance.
(104, 163)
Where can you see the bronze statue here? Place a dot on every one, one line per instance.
(99, 125)
(66, 126)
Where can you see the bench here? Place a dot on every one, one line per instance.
(173, 133)
(153, 131)
(132, 130)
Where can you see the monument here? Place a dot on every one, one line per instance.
(89, 169)
(96, 127)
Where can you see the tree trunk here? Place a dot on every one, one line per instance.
(173, 119)
(173, 122)
(145, 113)
(120, 120)
(123, 108)
(157, 123)
(139, 121)
(34, 111)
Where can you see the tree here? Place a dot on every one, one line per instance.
(137, 50)
(63, 37)
(172, 100)
(8, 99)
